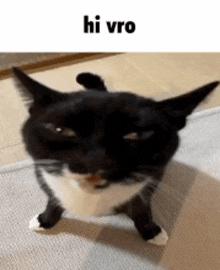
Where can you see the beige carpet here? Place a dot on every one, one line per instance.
(187, 206)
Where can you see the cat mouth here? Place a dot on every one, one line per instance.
(93, 179)
(89, 182)
(97, 182)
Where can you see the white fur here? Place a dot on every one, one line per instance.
(34, 224)
(79, 196)
(160, 239)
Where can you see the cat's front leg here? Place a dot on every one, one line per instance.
(48, 218)
(140, 213)
(150, 231)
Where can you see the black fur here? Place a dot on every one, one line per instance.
(91, 82)
(100, 120)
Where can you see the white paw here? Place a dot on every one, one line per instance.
(34, 224)
(160, 239)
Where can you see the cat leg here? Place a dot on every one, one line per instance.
(140, 213)
(48, 218)
(150, 231)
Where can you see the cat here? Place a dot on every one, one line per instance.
(102, 153)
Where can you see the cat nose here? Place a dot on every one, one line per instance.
(96, 161)
(96, 155)
(98, 173)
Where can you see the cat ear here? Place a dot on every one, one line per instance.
(34, 92)
(180, 107)
(91, 82)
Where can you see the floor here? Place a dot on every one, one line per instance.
(9, 59)
(158, 75)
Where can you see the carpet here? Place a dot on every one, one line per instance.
(187, 205)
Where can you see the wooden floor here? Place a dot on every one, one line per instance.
(158, 75)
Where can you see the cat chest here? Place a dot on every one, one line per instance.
(78, 200)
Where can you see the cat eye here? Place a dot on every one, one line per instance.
(64, 131)
(133, 136)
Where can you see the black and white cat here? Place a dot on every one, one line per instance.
(101, 153)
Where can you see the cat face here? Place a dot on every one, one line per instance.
(104, 134)
(105, 137)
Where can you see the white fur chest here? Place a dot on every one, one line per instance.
(77, 199)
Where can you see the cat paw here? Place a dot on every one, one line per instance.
(35, 224)
(160, 239)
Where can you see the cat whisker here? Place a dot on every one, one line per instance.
(46, 161)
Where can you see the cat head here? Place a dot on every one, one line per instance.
(114, 135)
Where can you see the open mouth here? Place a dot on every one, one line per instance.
(97, 182)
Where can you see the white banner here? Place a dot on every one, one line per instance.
(109, 26)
